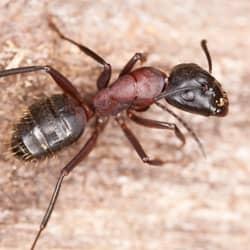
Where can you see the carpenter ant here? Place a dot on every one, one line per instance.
(55, 122)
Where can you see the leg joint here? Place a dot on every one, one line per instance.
(47, 68)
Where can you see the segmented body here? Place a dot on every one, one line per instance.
(137, 89)
(48, 125)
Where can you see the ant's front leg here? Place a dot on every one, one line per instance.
(190, 130)
(136, 144)
(130, 64)
(158, 124)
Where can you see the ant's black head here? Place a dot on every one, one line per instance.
(195, 90)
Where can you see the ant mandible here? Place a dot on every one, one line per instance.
(55, 122)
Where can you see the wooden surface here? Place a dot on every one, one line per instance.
(112, 200)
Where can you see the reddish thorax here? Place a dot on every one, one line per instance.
(138, 88)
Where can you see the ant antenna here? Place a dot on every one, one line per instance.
(195, 137)
(205, 49)
(167, 93)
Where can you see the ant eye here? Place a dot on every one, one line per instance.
(188, 95)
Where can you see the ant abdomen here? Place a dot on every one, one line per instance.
(49, 125)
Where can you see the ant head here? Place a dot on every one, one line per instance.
(193, 89)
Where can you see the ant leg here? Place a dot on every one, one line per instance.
(136, 144)
(140, 109)
(192, 133)
(104, 77)
(158, 124)
(64, 172)
(130, 64)
(60, 80)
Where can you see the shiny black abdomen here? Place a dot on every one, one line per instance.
(49, 125)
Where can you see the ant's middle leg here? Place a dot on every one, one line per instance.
(130, 64)
(83, 153)
(103, 79)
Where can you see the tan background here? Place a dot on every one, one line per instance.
(112, 200)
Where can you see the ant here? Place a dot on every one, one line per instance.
(53, 123)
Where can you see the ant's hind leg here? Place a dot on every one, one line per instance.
(103, 79)
(130, 64)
